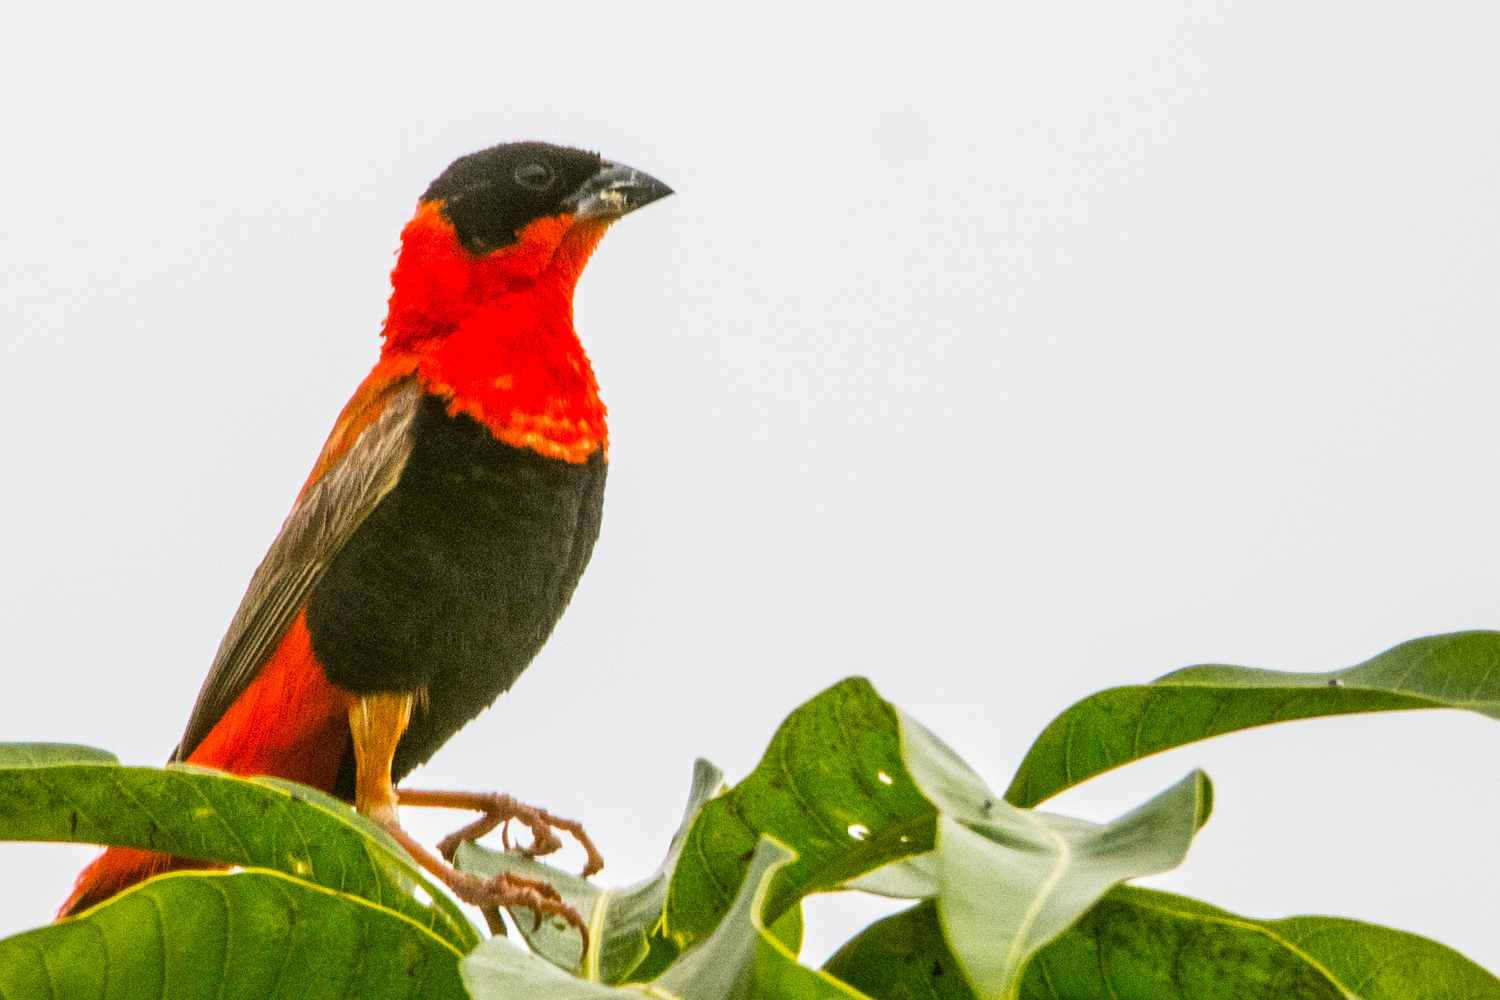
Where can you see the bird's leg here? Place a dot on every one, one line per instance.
(376, 723)
(501, 809)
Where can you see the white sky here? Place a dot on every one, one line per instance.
(998, 354)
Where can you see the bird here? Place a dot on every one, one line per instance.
(444, 525)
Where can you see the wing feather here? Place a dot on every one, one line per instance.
(332, 506)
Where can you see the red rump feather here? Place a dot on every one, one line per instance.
(290, 722)
(116, 870)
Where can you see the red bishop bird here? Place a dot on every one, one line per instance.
(445, 523)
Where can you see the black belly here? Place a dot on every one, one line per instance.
(457, 578)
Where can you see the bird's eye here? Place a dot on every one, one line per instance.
(536, 176)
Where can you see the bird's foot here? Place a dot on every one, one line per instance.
(508, 889)
(500, 810)
(490, 895)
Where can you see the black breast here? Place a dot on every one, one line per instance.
(457, 578)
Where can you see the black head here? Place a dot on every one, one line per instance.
(492, 195)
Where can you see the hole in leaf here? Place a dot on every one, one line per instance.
(422, 895)
(859, 831)
(885, 779)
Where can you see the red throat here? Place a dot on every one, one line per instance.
(494, 336)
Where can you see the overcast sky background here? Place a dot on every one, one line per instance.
(999, 353)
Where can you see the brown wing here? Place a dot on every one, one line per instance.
(356, 475)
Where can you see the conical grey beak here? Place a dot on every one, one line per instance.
(614, 191)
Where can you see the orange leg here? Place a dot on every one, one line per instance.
(376, 723)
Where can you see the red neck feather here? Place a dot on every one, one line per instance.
(494, 335)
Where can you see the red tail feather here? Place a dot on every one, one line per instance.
(117, 869)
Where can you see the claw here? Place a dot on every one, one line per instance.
(507, 890)
(499, 811)
(490, 895)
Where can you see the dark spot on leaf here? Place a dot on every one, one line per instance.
(291, 916)
(775, 783)
(744, 859)
(937, 968)
(1335, 683)
(988, 805)
(72, 824)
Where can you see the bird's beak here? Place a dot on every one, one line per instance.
(614, 191)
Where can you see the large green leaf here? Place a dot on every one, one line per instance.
(620, 921)
(1138, 944)
(217, 817)
(1379, 963)
(832, 786)
(217, 936)
(1119, 725)
(1007, 880)
(1007, 887)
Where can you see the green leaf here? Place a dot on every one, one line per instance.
(47, 754)
(1117, 726)
(1007, 887)
(909, 878)
(221, 818)
(620, 921)
(1378, 963)
(742, 958)
(245, 935)
(902, 957)
(858, 785)
(1138, 943)
(1143, 943)
(498, 970)
(1008, 880)
(831, 785)
(329, 804)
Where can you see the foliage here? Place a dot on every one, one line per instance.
(1010, 901)
(1117, 726)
